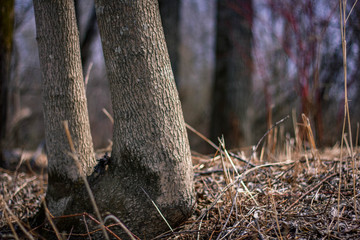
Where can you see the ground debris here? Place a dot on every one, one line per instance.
(295, 198)
(289, 199)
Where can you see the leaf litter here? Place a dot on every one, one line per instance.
(294, 196)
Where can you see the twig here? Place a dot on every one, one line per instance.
(202, 215)
(352, 8)
(50, 217)
(216, 147)
(11, 226)
(272, 199)
(312, 189)
(267, 132)
(107, 229)
(22, 186)
(17, 221)
(87, 75)
(232, 164)
(201, 220)
(130, 234)
(87, 228)
(229, 215)
(93, 219)
(343, 20)
(233, 228)
(108, 115)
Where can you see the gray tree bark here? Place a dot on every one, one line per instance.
(151, 158)
(151, 150)
(233, 77)
(63, 99)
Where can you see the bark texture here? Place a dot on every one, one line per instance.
(233, 77)
(63, 99)
(6, 39)
(151, 154)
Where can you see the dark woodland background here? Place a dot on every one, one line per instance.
(239, 65)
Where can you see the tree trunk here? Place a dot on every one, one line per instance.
(63, 99)
(151, 152)
(88, 31)
(197, 61)
(6, 39)
(151, 157)
(233, 77)
(170, 16)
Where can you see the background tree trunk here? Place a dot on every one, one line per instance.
(197, 61)
(233, 77)
(170, 18)
(63, 99)
(6, 39)
(88, 31)
(151, 152)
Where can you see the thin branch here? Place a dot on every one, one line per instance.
(267, 132)
(216, 147)
(17, 221)
(130, 234)
(312, 189)
(352, 8)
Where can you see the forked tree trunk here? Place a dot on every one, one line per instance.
(63, 99)
(151, 157)
(151, 151)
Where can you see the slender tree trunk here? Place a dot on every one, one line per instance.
(88, 32)
(233, 77)
(197, 61)
(63, 99)
(6, 39)
(151, 154)
(170, 16)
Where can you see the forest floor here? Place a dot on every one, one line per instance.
(288, 195)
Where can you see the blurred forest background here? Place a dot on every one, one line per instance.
(239, 65)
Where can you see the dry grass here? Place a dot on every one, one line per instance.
(285, 196)
(21, 195)
(293, 201)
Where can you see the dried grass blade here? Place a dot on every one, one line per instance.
(86, 183)
(108, 115)
(157, 209)
(88, 75)
(50, 219)
(216, 147)
(237, 173)
(312, 189)
(17, 221)
(229, 215)
(87, 228)
(11, 226)
(269, 130)
(276, 214)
